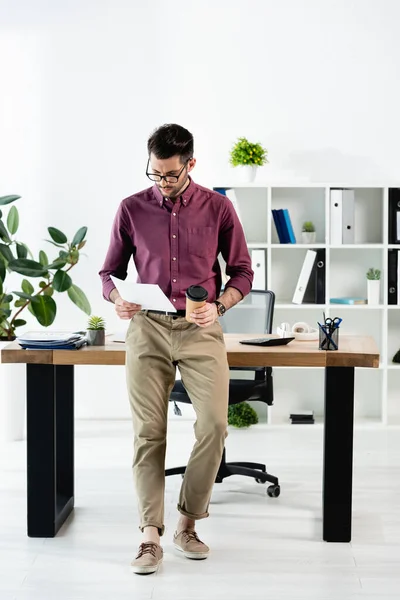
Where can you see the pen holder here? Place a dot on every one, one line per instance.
(328, 340)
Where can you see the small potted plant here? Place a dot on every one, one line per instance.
(308, 233)
(248, 156)
(374, 283)
(242, 415)
(96, 334)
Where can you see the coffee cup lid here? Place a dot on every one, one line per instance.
(196, 293)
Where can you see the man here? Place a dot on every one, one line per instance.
(175, 230)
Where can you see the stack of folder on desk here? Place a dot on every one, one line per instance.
(52, 340)
(302, 418)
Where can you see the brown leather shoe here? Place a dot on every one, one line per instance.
(149, 558)
(187, 541)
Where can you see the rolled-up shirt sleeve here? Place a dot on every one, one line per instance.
(120, 250)
(233, 247)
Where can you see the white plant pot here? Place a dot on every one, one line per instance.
(247, 173)
(12, 400)
(374, 288)
(309, 237)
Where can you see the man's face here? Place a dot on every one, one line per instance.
(172, 168)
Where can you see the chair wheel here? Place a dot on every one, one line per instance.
(273, 491)
(259, 480)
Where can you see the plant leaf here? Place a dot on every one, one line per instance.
(27, 287)
(6, 252)
(19, 303)
(59, 263)
(19, 322)
(58, 236)
(7, 199)
(62, 281)
(7, 299)
(54, 244)
(13, 220)
(23, 295)
(4, 233)
(43, 258)
(48, 291)
(22, 250)
(79, 236)
(78, 297)
(45, 309)
(25, 266)
(2, 274)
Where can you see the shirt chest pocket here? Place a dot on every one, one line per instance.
(201, 241)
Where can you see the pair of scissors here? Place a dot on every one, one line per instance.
(332, 324)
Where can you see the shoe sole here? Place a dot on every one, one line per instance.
(192, 555)
(143, 570)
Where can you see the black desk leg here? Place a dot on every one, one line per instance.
(338, 453)
(50, 447)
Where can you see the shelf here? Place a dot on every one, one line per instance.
(394, 367)
(297, 246)
(289, 304)
(356, 246)
(257, 245)
(358, 306)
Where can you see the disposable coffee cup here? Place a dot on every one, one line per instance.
(196, 297)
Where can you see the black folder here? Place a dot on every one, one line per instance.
(315, 291)
(394, 216)
(393, 282)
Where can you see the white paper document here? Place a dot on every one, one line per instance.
(150, 296)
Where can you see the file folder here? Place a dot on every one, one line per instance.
(394, 216)
(258, 266)
(304, 277)
(393, 277)
(336, 216)
(315, 292)
(348, 216)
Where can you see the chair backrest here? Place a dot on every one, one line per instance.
(254, 314)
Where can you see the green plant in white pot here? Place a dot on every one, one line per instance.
(96, 331)
(248, 157)
(374, 285)
(308, 233)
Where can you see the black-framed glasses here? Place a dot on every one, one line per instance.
(168, 178)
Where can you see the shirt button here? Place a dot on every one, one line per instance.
(174, 280)
(174, 214)
(174, 236)
(174, 258)
(173, 299)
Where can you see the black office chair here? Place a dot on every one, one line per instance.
(253, 315)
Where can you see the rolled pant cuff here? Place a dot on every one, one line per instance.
(161, 528)
(192, 515)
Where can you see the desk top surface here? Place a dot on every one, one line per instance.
(354, 351)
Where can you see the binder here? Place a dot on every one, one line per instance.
(258, 266)
(292, 237)
(304, 277)
(394, 216)
(393, 277)
(336, 215)
(348, 216)
(277, 224)
(315, 292)
(283, 227)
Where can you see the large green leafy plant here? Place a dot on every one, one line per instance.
(53, 275)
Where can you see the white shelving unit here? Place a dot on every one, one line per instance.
(377, 392)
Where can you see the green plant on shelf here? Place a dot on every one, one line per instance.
(308, 227)
(373, 274)
(248, 154)
(96, 323)
(242, 415)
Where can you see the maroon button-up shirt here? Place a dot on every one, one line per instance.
(176, 245)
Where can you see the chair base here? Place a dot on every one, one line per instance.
(247, 469)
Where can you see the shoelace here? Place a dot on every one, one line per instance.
(190, 534)
(147, 548)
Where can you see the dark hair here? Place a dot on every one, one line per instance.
(171, 140)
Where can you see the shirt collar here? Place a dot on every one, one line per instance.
(184, 198)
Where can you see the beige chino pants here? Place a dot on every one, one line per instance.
(155, 343)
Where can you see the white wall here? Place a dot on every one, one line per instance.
(83, 83)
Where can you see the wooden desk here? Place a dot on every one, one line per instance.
(50, 420)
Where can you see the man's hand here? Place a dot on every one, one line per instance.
(204, 316)
(125, 310)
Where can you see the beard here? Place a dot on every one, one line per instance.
(174, 190)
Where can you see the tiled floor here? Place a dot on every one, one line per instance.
(261, 547)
